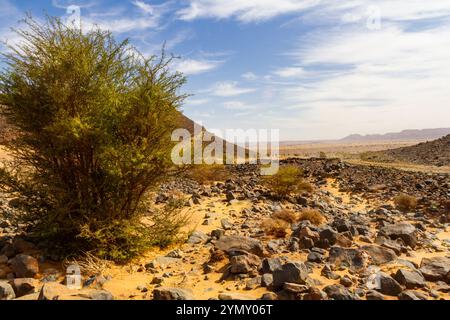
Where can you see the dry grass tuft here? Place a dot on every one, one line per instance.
(314, 216)
(206, 174)
(275, 227)
(89, 264)
(404, 202)
(286, 215)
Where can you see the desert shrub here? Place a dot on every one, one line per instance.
(286, 215)
(275, 227)
(95, 118)
(322, 155)
(313, 216)
(404, 202)
(205, 174)
(288, 180)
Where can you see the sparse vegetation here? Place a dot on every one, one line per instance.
(404, 202)
(288, 180)
(313, 216)
(286, 215)
(95, 119)
(205, 174)
(275, 227)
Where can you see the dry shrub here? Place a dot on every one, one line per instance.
(275, 227)
(205, 174)
(314, 216)
(286, 215)
(89, 264)
(288, 180)
(404, 202)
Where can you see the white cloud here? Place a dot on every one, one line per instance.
(250, 76)
(197, 102)
(238, 105)
(192, 67)
(147, 8)
(229, 89)
(290, 72)
(378, 81)
(245, 11)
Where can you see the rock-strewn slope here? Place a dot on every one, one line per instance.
(435, 152)
(364, 249)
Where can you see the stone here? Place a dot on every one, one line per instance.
(354, 259)
(92, 294)
(172, 294)
(293, 272)
(52, 290)
(24, 286)
(314, 294)
(226, 225)
(388, 285)
(346, 281)
(231, 244)
(6, 291)
(230, 196)
(328, 273)
(403, 230)
(25, 266)
(315, 257)
(410, 279)
(435, 269)
(379, 254)
(267, 280)
(269, 296)
(408, 295)
(253, 283)
(197, 237)
(269, 265)
(234, 296)
(339, 292)
(244, 263)
(3, 259)
(328, 234)
(374, 295)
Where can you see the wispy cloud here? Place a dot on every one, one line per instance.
(193, 67)
(238, 105)
(250, 76)
(245, 11)
(229, 89)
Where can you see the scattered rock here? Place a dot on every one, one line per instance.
(172, 294)
(6, 291)
(380, 255)
(402, 230)
(410, 279)
(353, 259)
(25, 266)
(435, 269)
(292, 272)
(231, 244)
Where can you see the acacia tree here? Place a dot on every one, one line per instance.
(95, 119)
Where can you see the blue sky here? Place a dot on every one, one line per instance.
(315, 69)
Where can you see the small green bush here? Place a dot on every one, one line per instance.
(288, 180)
(95, 120)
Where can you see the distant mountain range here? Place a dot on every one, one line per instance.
(424, 134)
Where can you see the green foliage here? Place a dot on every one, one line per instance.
(95, 119)
(288, 180)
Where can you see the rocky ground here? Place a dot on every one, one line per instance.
(366, 249)
(436, 153)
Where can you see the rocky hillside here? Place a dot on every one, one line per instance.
(363, 249)
(435, 152)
